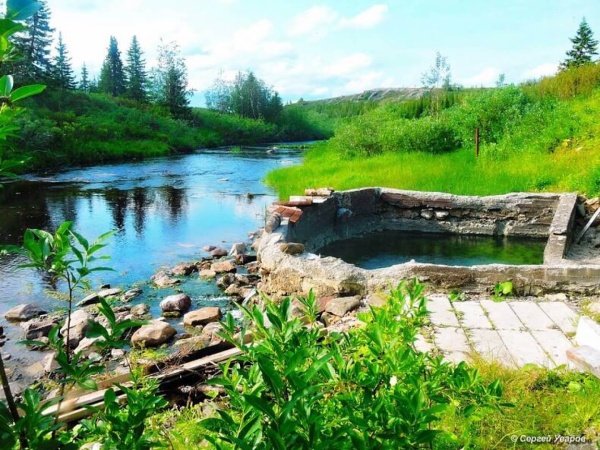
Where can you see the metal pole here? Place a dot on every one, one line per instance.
(477, 142)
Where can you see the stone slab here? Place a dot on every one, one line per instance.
(555, 343)
(451, 339)
(585, 358)
(473, 316)
(561, 314)
(423, 345)
(532, 316)
(489, 345)
(441, 311)
(524, 348)
(588, 332)
(501, 315)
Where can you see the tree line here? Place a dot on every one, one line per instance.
(165, 85)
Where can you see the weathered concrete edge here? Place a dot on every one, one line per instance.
(561, 234)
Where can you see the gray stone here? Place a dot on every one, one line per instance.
(207, 273)
(532, 316)
(223, 267)
(140, 309)
(377, 299)
(523, 348)
(489, 345)
(588, 333)
(208, 248)
(176, 303)
(237, 249)
(225, 281)
(24, 312)
(272, 223)
(91, 299)
(441, 215)
(132, 293)
(162, 279)
(427, 214)
(292, 248)
(49, 363)
(561, 297)
(194, 342)
(452, 340)
(501, 315)
(554, 344)
(87, 345)
(203, 316)
(441, 311)
(342, 305)
(218, 252)
(184, 269)
(585, 358)
(473, 316)
(561, 314)
(111, 292)
(594, 307)
(37, 328)
(152, 335)
(80, 322)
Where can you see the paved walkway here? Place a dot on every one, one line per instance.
(513, 332)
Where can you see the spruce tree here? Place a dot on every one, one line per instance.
(84, 83)
(135, 70)
(34, 46)
(584, 47)
(169, 81)
(112, 76)
(62, 73)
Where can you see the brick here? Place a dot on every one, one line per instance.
(501, 315)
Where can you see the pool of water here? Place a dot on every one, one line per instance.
(387, 248)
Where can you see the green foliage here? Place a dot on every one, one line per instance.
(62, 72)
(584, 47)
(169, 85)
(370, 388)
(502, 290)
(124, 427)
(112, 76)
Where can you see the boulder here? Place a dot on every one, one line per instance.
(209, 248)
(594, 307)
(292, 248)
(91, 299)
(273, 222)
(176, 303)
(203, 316)
(225, 281)
(245, 259)
(377, 299)
(223, 267)
(253, 267)
(37, 328)
(427, 214)
(49, 362)
(184, 269)
(237, 249)
(80, 321)
(132, 293)
(210, 332)
(207, 273)
(110, 292)
(140, 310)
(162, 279)
(152, 335)
(23, 312)
(87, 346)
(218, 252)
(342, 305)
(194, 342)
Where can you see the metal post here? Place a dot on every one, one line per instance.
(477, 142)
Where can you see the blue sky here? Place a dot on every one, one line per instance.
(308, 49)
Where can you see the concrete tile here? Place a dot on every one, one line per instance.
(532, 316)
(561, 314)
(451, 339)
(441, 311)
(588, 332)
(501, 315)
(422, 345)
(524, 348)
(489, 345)
(456, 357)
(555, 343)
(472, 316)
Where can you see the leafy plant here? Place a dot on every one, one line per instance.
(502, 290)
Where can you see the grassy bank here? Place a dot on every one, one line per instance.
(536, 137)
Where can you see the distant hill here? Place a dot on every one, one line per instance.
(376, 95)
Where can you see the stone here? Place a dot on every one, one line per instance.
(49, 362)
(184, 269)
(132, 293)
(207, 273)
(292, 248)
(225, 281)
(223, 267)
(588, 333)
(472, 315)
(561, 314)
(343, 214)
(87, 346)
(80, 322)
(37, 328)
(176, 303)
(162, 279)
(441, 311)
(329, 319)
(532, 316)
(218, 252)
(253, 267)
(91, 299)
(560, 297)
(427, 214)
(501, 315)
(152, 335)
(342, 305)
(140, 309)
(23, 312)
(523, 348)
(344, 324)
(203, 316)
(237, 249)
(441, 215)
(594, 307)
(194, 342)
(555, 344)
(377, 299)
(111, 292)
(585, 358)
(208, 248)
(272, 223)
(245, 259)
(15, 387)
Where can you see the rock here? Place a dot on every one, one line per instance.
(132, 293)
(91, 299)
(176, 303)
(427, 214)
(207, 273)
(42, 346)
(194, 342)
(37, 328)
(184, 269)
(87, 346)
(343, 214)
(244, 259)
(253, 267)
(203, 316)
(6, 356)
(292, 248)
(117, 353)
(218, 252)
(225, 281)
(210, 332)
(162, 279)
(15, 387)
(23, 312)
(585, 358)
(594, 307)
(556, 297)
(104, 293)
(152, 335)
(209, 248)
(223, 267)
(344, 324)
(342, 305)
(441, 215)
(49, 363)
(377, 299)
(329, 319)
(273, 222)
(588, 333)
(80, 321)
(320, 192)
(237, 249)
(140, 310)
(322, 303)
(592, 204)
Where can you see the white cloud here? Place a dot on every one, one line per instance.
(347, 65)
(540, 71)
(367, 18)
(486, 77)
(315, 20)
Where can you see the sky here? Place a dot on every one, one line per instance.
(322, 49)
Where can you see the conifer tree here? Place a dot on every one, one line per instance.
(84, 83)
(112, 76)
(135, 70)
(62, 73)
(584, 47)
(34, 46)
(169, 81)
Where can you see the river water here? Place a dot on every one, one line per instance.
(164, 211)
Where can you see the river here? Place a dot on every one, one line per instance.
(164, 211)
